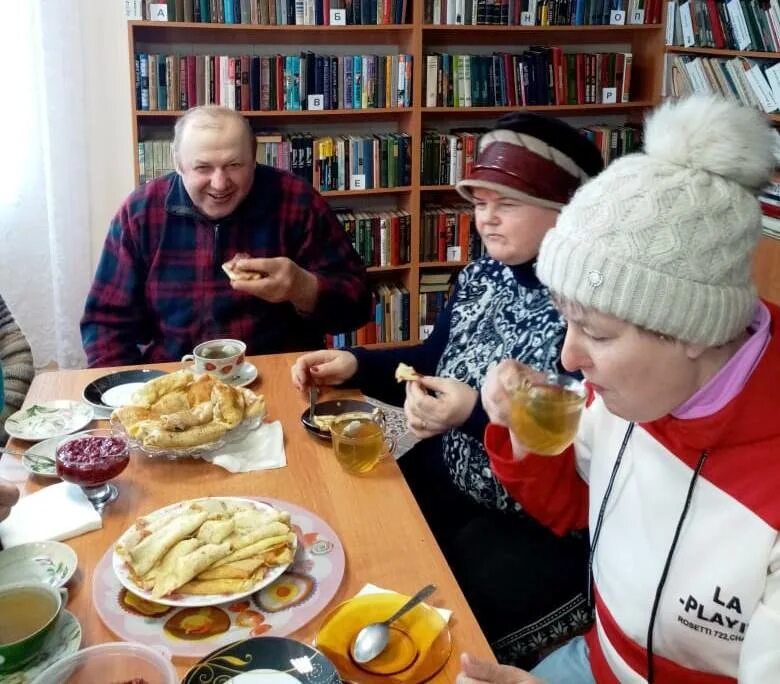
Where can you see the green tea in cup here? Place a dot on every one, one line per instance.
(545, 414)
(359, 441)
(28, 613)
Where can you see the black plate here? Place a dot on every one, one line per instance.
(93, 392)
(297, 660)
(334, 407)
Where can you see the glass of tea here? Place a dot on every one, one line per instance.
(91, 459)
(545, 412)
(359, 440)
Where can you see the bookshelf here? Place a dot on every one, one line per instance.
(707, 43)
(644, 41)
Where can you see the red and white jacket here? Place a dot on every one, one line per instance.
(718, 619)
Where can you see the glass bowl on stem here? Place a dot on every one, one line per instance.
(91, 459)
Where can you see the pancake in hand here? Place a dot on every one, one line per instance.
(405, 373)
(235, 273)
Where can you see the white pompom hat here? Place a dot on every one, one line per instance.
(664, 239)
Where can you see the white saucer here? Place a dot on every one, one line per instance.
(47, 561)
(246, 375)
(49, 419)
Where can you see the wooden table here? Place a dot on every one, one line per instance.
(385, 537)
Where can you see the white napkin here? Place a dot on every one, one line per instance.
(373, 589)
(261, 449)
(59, 511)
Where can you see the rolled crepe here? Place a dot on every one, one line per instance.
(194, 436)
(181, 420)
(228, 405)
(246, 538)
(172, 402)
(166, 566)
(159, 387)
(143, 428)
(254, 404)
(253, 519)
(144, 556)
(256, 548)
(223, 586)
(242, 569)
(130, 415)
(187, 567)
(215, 531)
(200, 390)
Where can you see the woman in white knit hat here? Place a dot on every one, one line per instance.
(676, 464)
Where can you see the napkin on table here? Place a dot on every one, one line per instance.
(59, 511)
(261, 449)
(373, 589)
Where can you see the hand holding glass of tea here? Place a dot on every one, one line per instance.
(541, 409)
(545, 412)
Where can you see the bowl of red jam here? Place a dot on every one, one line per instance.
(90, 459)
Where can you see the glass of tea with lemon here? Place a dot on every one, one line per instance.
(545, 412)
(359, 440)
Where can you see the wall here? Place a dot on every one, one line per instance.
(108, 109)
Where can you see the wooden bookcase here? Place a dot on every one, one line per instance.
(644, 41)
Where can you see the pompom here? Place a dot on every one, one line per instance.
(715, 135)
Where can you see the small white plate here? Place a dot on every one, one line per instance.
(49, 419)
(50, 562)
(39, 458)
(64, 640)
(246, 375)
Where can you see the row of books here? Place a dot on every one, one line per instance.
(542, 12)
(381, 238)
(539, 76)
(435, 290)
(380, 161)
(769, 198)
(751, 82)
(448, 157)
(154, 159)
(736, 25)
(345, 162)
(390, 321)
(614, 141)
(449, 234)
(272, 83)
(273, 12)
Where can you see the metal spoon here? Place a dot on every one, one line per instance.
(372, 639)
(312, 403)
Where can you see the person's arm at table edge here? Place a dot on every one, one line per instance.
(113, 323)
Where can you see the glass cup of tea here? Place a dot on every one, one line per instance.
(545, 412)
(90, 459)
(359, 440)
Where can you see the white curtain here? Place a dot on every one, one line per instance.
(45, 267)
